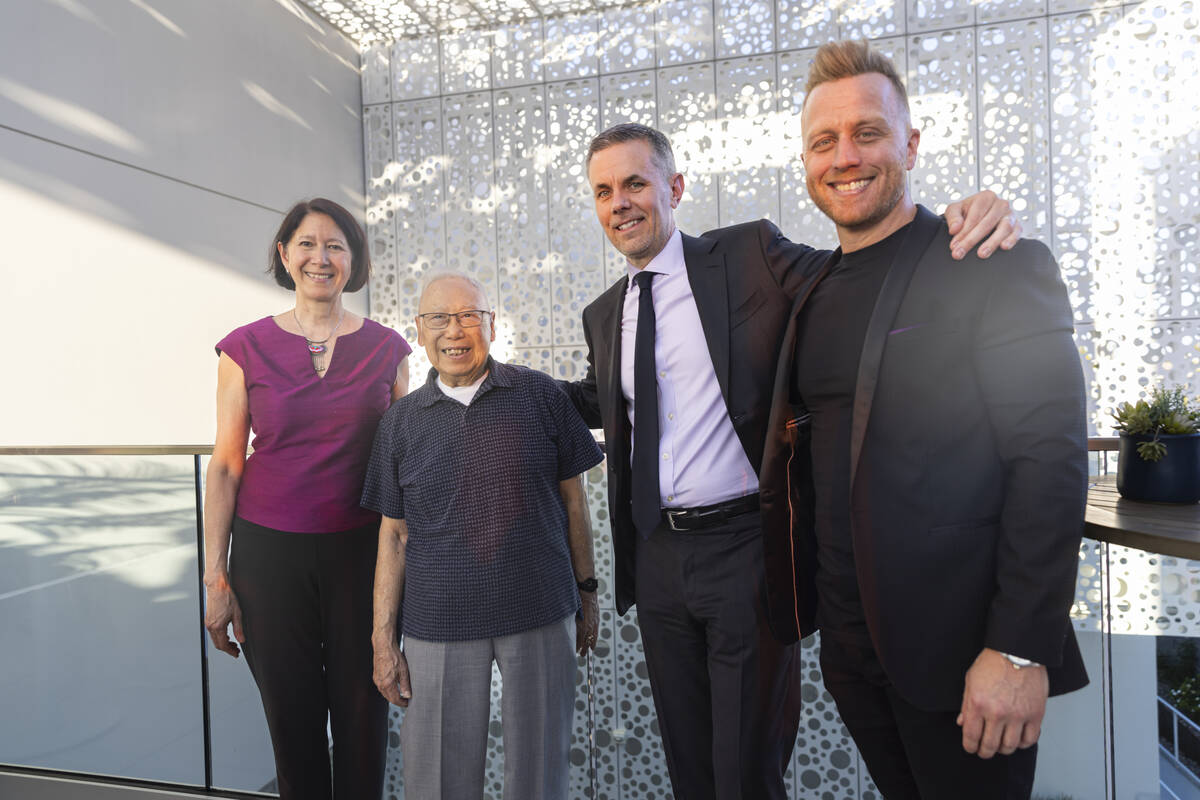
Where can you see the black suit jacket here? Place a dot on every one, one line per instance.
(744, 279)
(968, 466)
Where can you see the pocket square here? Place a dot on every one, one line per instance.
(907, 328)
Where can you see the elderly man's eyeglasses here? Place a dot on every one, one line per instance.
(437, 320)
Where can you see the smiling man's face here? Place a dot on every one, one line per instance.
(635, 200)
(858, 145)
(458, 354)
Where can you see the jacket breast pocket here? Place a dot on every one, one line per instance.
(747, 308)
(965, 547)
(925, 333)
(921, 357)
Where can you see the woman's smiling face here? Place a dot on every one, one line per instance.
(317, 257)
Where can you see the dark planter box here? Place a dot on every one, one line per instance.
(1173, 479)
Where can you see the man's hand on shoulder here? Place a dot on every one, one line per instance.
(976, 217)
(1002, 705)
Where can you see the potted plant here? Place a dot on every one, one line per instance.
(1159, 455)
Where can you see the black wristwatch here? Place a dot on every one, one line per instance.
(588, 585)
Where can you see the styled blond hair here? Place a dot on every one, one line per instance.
(848, 58)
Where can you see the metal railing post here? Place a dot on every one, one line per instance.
(208, 770)
(1106, 628)
(1175, 730)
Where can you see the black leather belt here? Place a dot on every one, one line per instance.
(694, 519)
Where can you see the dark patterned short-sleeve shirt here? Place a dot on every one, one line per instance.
(477, 486)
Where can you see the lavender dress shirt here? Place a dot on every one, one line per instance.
(702, 461)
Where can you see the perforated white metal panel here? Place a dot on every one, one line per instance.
(1014, 120)
(518, 54)
(749, 132)
(826, 763)
(805, 24)
(466, 61)
(744, 27)
(523, 235)
(415, 68)
(627, 39)
(1081, 112)
(471, 193)
(576, 244)
(684, 31)
(643, 765)
(420, 218)
(941, 85)
(872, 19)
(799, 218)
(383, 195)
(604, 708)
(687, 106)
(572, 47)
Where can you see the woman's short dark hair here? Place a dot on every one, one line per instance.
(360, 259)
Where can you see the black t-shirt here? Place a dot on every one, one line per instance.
(831, 331)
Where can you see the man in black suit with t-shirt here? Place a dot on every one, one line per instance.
(943, 407)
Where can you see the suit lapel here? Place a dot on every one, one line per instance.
(891, 294)
(706, 274)
(781, 407)
(610, 322)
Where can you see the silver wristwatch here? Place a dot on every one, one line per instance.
(1018, 662)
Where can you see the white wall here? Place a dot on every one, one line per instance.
(147, 151)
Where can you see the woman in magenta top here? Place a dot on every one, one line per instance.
(295, 583)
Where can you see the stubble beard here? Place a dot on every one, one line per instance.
(642, 249)
(893, 194)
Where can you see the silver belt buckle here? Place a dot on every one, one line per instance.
(671, 519)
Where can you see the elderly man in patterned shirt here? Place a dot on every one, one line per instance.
(485, 553)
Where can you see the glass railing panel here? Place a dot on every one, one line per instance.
(1102, 462)
(241, 746)
(102, 669)
(99, 616)
(1155, 601)
(1072, 749)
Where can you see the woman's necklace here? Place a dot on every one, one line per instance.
(317, 347)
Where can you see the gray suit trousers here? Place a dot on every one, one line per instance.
(445, 730)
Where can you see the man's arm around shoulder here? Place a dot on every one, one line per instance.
(1032, 383)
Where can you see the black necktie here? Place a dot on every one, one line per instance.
(646, 506)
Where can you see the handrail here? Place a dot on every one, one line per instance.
(196, 452)
(109, 450)
(1173, 752)
(1179, 714)
(1095, 443)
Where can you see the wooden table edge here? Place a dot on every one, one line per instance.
(1106, 524)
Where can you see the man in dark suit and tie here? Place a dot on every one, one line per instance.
(943, 405)
(682, 354)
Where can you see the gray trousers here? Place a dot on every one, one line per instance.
(445, 730)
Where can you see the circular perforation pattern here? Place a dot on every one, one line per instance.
(1085, 118)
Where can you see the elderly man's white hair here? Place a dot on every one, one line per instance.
(462, 276)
